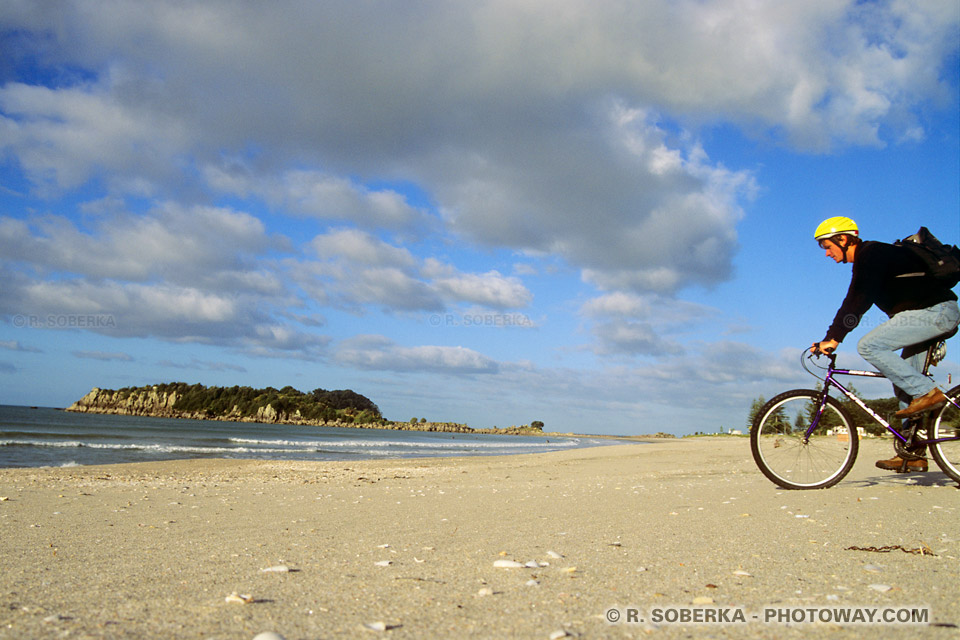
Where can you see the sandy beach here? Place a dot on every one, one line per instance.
(410, 548)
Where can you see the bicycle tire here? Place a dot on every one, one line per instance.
(780, 451)
(946, 423)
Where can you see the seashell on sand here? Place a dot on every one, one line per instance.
(239, 598)
(507, 564)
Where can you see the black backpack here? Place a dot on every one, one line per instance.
(942, 260)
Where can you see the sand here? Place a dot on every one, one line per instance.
(407, 548)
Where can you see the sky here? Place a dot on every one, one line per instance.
(598, 215)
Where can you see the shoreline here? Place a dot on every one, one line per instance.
(409, 546)
(426, 427)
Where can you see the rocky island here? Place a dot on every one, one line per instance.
(320, 407)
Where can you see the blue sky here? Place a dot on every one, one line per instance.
(596, 215)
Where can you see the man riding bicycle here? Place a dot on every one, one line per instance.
(920, 311)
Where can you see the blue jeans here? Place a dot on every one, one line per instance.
(913, 331)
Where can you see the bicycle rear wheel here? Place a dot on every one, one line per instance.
(946, 424)
(780, 449)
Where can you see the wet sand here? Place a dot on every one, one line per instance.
(408, 548)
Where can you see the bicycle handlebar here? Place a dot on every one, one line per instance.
(810, 354)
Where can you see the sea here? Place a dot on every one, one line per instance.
(47, 437)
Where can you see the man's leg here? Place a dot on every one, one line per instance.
(914, 332)
(908, 328)
(914, 356)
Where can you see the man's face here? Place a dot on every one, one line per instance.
(832, 249)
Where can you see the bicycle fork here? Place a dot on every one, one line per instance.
(821, 405)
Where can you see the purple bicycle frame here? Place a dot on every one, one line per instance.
(830, 380)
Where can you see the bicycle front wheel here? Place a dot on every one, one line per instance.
(790, 459)
(946, 424)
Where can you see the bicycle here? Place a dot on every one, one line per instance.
(805, 439)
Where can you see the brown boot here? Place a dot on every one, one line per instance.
(896, 464)
(933, 399)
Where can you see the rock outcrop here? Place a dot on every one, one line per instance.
(152, 403)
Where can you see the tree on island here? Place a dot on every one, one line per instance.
(343, 405)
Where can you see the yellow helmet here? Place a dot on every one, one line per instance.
(834, 227)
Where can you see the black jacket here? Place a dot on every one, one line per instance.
(889, 277)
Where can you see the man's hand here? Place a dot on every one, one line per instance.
(827, 347)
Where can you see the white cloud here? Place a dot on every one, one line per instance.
(633, 338)
(392, 288)
(619, 303)
(358, 269)
(361, 248)
(15, 345)
(490, 289)
(202, 365)
(319, 195)
(66, 136)
(630, 324)
(181, 274)
(617, 204)
(103, 355)
(182, 245)
(532, 126)
(380, 353)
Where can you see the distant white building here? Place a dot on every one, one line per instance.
(842, 431)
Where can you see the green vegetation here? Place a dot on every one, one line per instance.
(245, 402)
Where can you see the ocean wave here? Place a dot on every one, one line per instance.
(391, 444)
(54, 434)
(260, 446)
(157, 448)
